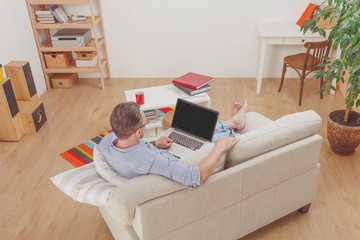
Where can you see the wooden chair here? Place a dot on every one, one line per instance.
(306, 63)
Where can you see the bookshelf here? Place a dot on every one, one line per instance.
(93, 22)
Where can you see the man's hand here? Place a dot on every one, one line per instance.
(226, 143)
(163, 142)
(208, 164)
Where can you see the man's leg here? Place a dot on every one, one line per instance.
(236, 122)
(222, 130)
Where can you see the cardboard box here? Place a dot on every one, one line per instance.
(64, 80)
(58, 59)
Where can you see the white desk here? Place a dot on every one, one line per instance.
(164, 96)
(161, 97)
(282, 34)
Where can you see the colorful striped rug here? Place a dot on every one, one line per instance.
(83, 154)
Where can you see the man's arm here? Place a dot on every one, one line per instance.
(208, 165)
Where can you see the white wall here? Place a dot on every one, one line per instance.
(167, 38)
(17, 42)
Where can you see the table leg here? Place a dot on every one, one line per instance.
(208, 103)
(261, 64)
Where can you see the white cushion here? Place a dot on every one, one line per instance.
(84, 184)
(285, 130)
(254, 120)
(104, 169)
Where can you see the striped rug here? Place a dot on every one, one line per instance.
(83, 154)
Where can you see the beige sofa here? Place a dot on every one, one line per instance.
(270, 173)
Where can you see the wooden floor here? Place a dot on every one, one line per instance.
(33, 208)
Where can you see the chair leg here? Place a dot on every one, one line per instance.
(301, 89)
(282, 77)
(321, 85)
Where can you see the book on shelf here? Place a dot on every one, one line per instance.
(193, 80)
(38, 19)
(59, 13)
(46, 21)
(44, 16)
(193, 92)
(149, 113)
(43, 12)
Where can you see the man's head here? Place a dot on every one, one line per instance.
(126, 119)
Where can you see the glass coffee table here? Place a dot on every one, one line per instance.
(162, 97)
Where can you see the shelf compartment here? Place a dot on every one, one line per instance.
(48, 47)
(57, 1)
(87, 23)
(74, 69)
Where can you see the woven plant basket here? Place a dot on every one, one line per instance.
(343, 139)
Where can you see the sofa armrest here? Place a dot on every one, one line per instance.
(124, 198)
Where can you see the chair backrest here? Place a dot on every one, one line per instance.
(316, 51)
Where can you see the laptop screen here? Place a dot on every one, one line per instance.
(195, 119)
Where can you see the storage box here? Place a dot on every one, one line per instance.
(64, 80)
(85, 55)
(58, 59)
(87, 63)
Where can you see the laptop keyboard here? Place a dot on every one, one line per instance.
(185, 141)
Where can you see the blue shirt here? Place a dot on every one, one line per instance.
(144, 158)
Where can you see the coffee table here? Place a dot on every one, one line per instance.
(161, 97)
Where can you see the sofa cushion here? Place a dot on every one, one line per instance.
(254, 120)
(196, 157)
(104, 169)
(285, 130)
(84, 184)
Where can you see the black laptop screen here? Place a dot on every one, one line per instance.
(195, 119)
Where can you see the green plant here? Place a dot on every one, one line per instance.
(345, 35)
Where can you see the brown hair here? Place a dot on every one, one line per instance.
(125, 119)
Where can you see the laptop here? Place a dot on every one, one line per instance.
(192, 127)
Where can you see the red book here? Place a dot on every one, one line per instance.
(193, 80)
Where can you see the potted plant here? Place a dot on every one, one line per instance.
(344, 16)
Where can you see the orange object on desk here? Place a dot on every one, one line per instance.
(307, 14)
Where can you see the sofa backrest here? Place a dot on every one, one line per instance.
(283, 131)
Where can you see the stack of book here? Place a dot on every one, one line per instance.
(193, 83)
(151, 115)
(44, 16)
(59, 13)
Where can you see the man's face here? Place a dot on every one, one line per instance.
(143, 123)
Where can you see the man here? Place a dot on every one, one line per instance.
(130, 157)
